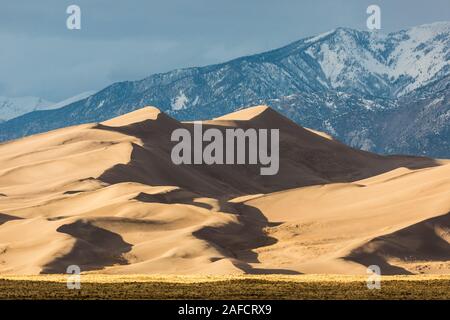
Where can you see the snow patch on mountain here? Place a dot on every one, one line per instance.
(421, 55)
(329, 127)
(179, 102)
(320, 36)
(374, 63)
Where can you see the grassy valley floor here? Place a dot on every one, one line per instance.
(94, 286)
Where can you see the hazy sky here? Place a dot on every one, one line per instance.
(128, 40)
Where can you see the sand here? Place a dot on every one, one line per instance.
(107, 197)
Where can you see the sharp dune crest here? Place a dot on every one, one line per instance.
(140, 115)
(108, 198)
(245, 114)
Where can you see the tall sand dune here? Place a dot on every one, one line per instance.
(108, 198)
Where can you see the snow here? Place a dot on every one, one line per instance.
(345, 60)
(196, 100)
(14, 107)
(179, 102)
(329, 128)
(70, 100)
(330, 104)
(368, 104)
(319, 37)
(422, 55)
(332, 64)
(419, 54)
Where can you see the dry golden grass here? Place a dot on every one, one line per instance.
(95, 286)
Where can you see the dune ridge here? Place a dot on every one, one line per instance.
(107, 197)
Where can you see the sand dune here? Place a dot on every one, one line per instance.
(108, 198)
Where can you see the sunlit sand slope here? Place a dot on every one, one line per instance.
(108, 198)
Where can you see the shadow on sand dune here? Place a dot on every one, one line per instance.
(305, 159)
(425, 241)
(6, 217)
(238, 241)
(94, 248)
(173, 197)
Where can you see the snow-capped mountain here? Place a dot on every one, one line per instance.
(384, 93)
(380, 65)
(14, 107)
(71, 100)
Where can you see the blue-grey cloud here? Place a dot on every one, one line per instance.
(126, 40)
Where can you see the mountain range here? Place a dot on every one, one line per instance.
(382, 93)
(11, 108)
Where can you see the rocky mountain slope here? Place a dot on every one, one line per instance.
(383, 93)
